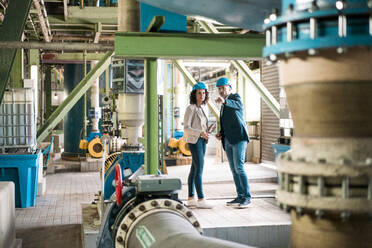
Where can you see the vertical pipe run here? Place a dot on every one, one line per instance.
(33, 71)
(73, 122)
(85, 99)
(172, 98)
(48, 91)
(151, 117)
(128, 16)
(94, 101)
(107, 86)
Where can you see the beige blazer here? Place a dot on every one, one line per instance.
(192, 125)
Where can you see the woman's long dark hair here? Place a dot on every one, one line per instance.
(193, 97)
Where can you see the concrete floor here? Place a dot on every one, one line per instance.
(61, 203)
(218, 180)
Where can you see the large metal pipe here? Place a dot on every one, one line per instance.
(67, 46)
(128, 16)
(332, 148)
(163, 223)
(326, 179)
(73, 123)
(169, 230)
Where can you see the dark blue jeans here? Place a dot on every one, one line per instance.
(236, 156)
(196, 170)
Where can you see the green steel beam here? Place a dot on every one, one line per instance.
(48, 91)
(189, 78)
(244, 69)
(177, 45)
(17, 70)
(155, 24)
(151, 117)
(68, 57)
(11, 30)
(73, 97)
(261, 89)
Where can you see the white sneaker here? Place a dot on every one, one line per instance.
(204, 204)
(191, 203)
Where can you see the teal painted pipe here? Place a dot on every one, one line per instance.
(73, 123)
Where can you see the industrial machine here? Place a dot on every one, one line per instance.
(324, 48)
(146, 212)
(93, 143)
(180, 145)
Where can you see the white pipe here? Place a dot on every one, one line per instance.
(179, 99)
(94, 100)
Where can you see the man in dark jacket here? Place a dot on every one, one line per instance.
(234, 137)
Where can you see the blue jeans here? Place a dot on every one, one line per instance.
(236, 156)
(196, 170)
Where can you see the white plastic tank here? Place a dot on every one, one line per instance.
(18, 119)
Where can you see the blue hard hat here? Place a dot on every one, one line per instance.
(199, 86)
(223, 81)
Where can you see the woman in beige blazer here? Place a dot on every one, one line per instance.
(195, 134)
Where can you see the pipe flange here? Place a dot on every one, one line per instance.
(325, 187)
(149, 207)
(345, 168)
(323, 203)
(305, 26)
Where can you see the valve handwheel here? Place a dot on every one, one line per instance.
(118, 184)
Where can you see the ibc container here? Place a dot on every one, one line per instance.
(18, 121)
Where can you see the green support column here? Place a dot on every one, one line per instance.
(16, 75)
(48, 91)
(11, 30)
(151, 117)
(33, 55)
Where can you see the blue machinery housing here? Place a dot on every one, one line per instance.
(22, 169)
(129, 163)
(312, 25)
